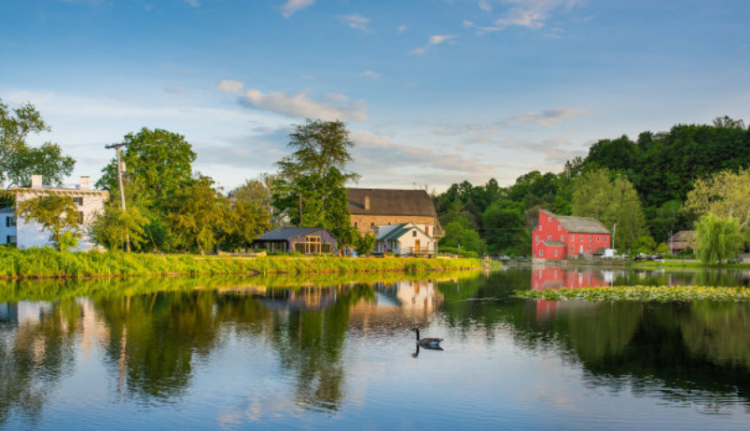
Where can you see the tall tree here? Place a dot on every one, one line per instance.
(312, 187)
(726, 194)
(18, 160)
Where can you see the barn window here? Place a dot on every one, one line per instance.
(541, 253)
(540, 228)
(581, 238)
(559, 228)
(589, 248)
(537, 238)
(597, 239)
(555, 253)
(562, 238)
(549, 238)
(572, 249)
(549, 219)
(590, 238)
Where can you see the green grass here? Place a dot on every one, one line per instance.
(48, 263)
(640, 293)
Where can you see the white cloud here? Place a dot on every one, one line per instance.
(91, 2)
(402, 28)
(292, 6)
(371, 74)
(434, 40)
(193, 3)
(523, 13)
(485, 6)
(331, 107)
(548, 117)
(229, 86)
(355, 21)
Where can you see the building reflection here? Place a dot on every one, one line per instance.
(543, 277)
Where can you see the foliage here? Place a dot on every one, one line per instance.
(365, 244)
(57, 214)
(115, 225)
(458, 234)
(505, 228)
(644, 244)
(596, 195)
(725, 194)
(18, 160)
(311, 188)
(663, 249)
(640, 293)
(717, 239)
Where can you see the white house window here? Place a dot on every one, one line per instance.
(10, 221)
(78, 201)
(414, 233)
(80, 217)
(11, 239)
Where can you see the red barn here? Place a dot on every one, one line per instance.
(559, 236)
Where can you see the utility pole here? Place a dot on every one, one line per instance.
(614, 232)
(122, 190)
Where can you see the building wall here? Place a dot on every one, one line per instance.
(549, 228)
(405, 244)
(365, 222)
(32, 234)
(5, 230)
(326, 237)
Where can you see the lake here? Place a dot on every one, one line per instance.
(283, 353)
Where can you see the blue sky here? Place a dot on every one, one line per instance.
(433, 91)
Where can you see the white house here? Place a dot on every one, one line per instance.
(14, 229)
(405, 239)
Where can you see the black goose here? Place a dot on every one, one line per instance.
(427, 343)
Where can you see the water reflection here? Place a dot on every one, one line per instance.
(300, 347)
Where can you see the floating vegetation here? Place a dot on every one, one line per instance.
(640, 293)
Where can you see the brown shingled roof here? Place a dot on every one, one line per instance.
(580, 224)
(391, 202)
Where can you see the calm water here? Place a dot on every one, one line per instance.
(227, 353)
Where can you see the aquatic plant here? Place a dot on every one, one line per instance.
(640, 293)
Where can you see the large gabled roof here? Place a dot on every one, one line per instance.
(579, 224)
(391, 202)
(287, 233)
(401, 230)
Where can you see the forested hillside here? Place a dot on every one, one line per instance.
(641, 185)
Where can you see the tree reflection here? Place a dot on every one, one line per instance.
(35, 352)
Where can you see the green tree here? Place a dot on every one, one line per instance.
(458, 233)
(365, 244)
(245, 222)
(18, 160)
(312, 184)
(115, 225)
(505, 228)
(610, 201)
(717, 239)
(57, 214)
(725, 194)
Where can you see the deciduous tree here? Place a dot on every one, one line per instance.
(717, 239)
(57, 214)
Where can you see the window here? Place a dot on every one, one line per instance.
(414, 234)
(591, 238)
(537, 238)
(10, 221)
(549, 238)
(589, 248)
(572, 249)
(78, 201)
(356, 225)
(80, 217)
(562, 238)
(597, 239)
(540, 228)
(549, 219)
(427, 230)
(11, 239)
(555, 253)
(372, 225)
(606, 238)
(581, 238)
(541, 253)
(559, 228)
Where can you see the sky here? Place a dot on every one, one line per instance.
(433, 92)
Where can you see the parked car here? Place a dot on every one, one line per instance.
(521, 257)
(504, 257)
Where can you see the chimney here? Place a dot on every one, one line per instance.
(36, 181)
(367, 203)
(85, 183)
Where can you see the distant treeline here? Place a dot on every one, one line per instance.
(662, 168)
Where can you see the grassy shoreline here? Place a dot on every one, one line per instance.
(48, 263)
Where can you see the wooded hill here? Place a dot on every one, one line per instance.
(662, 168)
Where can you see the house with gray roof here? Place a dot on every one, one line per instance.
(404, 239)
(305, 240)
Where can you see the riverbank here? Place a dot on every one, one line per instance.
(48, 263)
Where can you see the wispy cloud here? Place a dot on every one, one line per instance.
(175, 90)
(330, 107)
(91, 2)
(556, 151)
(371, 74)
(402, 28)
(355, 21)
(434, 40)
(229, 86)
(522, 13)
(548, 117)
(292, 6)
(193, 3)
